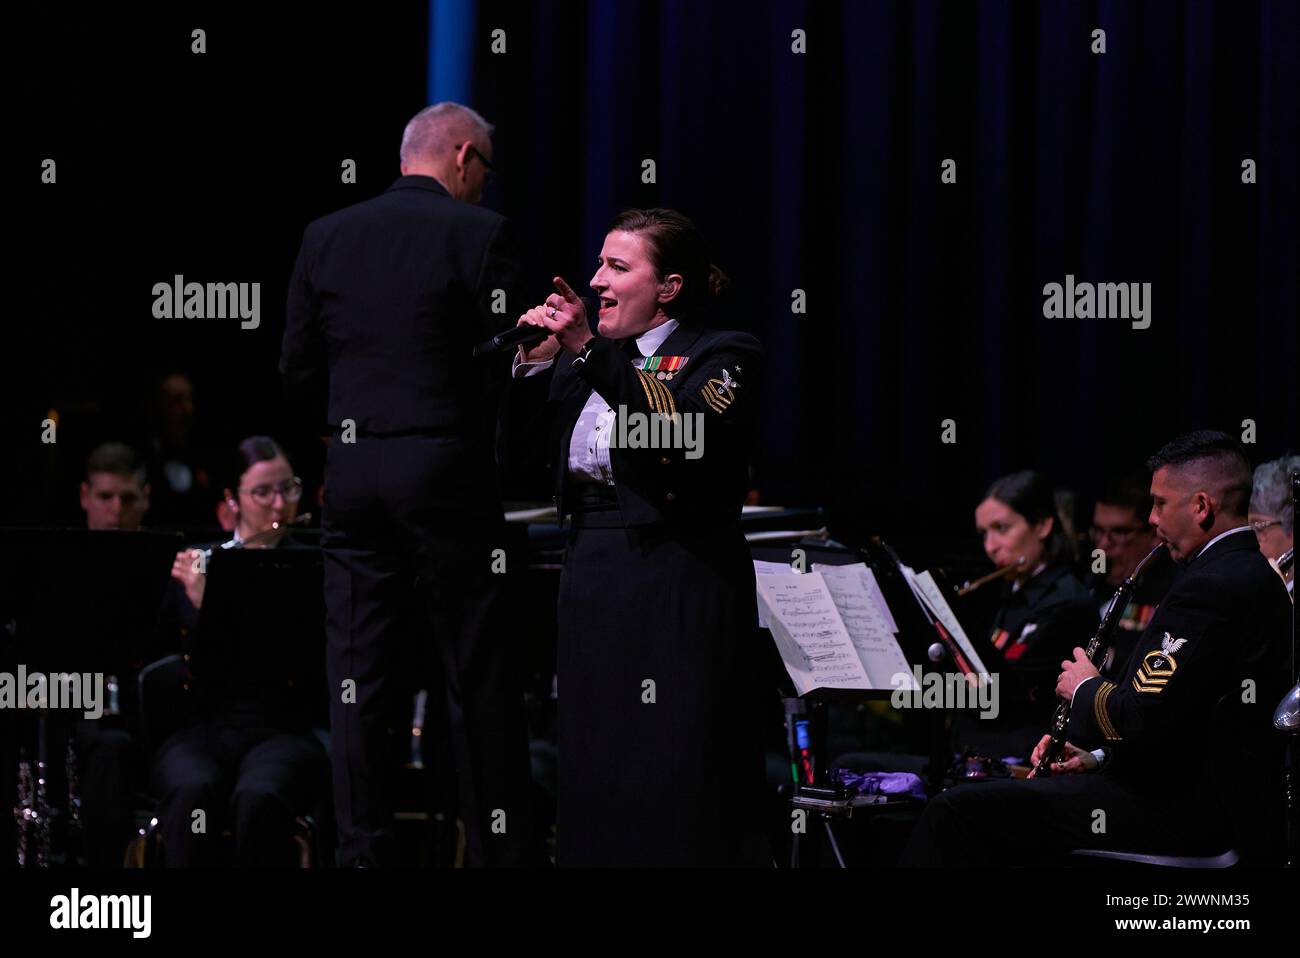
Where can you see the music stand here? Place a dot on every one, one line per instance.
(261, 630)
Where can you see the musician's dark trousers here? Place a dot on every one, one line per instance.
(396, 510)
(255, 781)
(1029, 822)
(107, 759)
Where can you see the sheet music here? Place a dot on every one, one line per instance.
(763, 567)
(810, 636)
(868, 621)
(928, 590)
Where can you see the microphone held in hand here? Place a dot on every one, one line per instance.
(511, 339)
(525, 336)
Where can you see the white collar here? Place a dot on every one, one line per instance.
(1206, 548)
(649, 341)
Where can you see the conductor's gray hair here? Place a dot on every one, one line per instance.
(1271, 494)
(438, 128)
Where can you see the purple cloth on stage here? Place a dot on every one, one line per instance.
(881, 783)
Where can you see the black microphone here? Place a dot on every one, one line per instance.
(510, 339)
(524, 335)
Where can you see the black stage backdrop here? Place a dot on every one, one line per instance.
(817, 171)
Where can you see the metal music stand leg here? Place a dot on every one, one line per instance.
(835, 846)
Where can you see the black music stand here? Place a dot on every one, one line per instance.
(75, 600)
(262, 629)
(916, 637)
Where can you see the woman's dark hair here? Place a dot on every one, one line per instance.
(1030, 494)
(248, 453)
(676, 246)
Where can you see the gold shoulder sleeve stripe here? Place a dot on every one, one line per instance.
(651, 397)
(669, 407)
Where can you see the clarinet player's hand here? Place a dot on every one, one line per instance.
(1038, 752)
(1074, 672)
(1074, 760)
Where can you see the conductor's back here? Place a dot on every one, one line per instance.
(387, 300)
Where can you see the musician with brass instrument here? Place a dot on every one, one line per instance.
(1142, 770)
(1044, 612)
(245, 755)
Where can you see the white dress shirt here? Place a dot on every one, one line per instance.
(589, 445)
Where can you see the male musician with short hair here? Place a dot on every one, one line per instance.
(1121, 532)
(115, 493)
(1137, 775)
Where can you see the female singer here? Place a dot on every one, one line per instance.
(250, 754)
(1046, 610)
(659, 757)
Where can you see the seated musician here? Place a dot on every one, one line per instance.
(1272, 514)
(1138, 771)
(115, 493)
(1045, 611)
(1120, 531)
(248, 762)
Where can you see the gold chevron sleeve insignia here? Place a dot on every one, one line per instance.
(1154, 672)
(1101, 715)
(719, 393)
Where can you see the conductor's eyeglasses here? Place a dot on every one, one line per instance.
(487, 164)
(1259, 525)
(264, 495)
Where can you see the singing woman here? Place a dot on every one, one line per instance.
(658, 747)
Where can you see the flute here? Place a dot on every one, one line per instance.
(258, 537)
(968, 586)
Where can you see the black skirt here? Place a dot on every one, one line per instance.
(659, 754)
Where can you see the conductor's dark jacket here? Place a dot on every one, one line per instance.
(388, 298)
(1204, 676)
(717, 378)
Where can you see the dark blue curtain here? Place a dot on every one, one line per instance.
(816, 171)
(821, 172)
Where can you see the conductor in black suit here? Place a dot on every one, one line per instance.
(385, 304)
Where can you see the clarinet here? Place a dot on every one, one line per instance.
(1109, 622)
